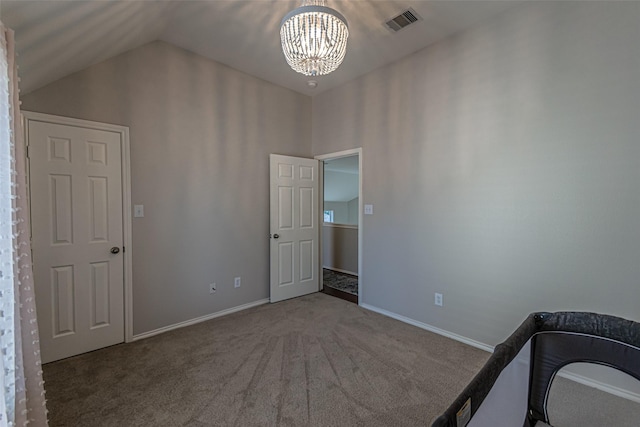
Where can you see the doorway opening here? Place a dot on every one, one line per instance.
(341, 230)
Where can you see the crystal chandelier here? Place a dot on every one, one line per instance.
(314, 38)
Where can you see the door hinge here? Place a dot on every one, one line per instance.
(28, 152)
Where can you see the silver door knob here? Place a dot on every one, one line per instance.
(115, 250)
(275, 236)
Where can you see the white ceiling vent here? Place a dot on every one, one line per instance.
(401, 21)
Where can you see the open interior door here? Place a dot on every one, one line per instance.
(294, 225)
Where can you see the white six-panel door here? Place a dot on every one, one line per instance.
(77, 225)
(293, 227)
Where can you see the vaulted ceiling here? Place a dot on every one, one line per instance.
(56, 38)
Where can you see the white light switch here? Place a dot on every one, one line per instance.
(138, 211)
(368, 209)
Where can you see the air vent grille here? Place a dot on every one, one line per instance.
(401, 21)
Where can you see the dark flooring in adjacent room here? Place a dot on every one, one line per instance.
(341, 285)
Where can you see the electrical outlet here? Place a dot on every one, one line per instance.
(438, 299)
(212, 288)
(236, 282)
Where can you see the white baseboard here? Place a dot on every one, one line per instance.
(472, 343)
(199, 319)
(616, 391)
(341, 271)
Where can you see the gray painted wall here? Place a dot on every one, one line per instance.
(503, 165)
(344, 212)
(340, 248)
(353, 206)
(200, 136)
(340, 211)
(340, 186)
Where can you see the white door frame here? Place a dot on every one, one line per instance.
(337, 155)
(126, 197)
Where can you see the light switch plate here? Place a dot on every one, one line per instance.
(138, 211)
(368, 209)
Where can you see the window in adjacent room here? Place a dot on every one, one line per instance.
(328, 216)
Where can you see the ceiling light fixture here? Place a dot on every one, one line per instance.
(314, 38)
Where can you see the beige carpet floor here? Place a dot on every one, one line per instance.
(311, 361)
(575, 405)
(314, 360)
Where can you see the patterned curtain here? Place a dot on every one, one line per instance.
(22, 391)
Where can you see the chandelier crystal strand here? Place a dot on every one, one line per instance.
(314, 38)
